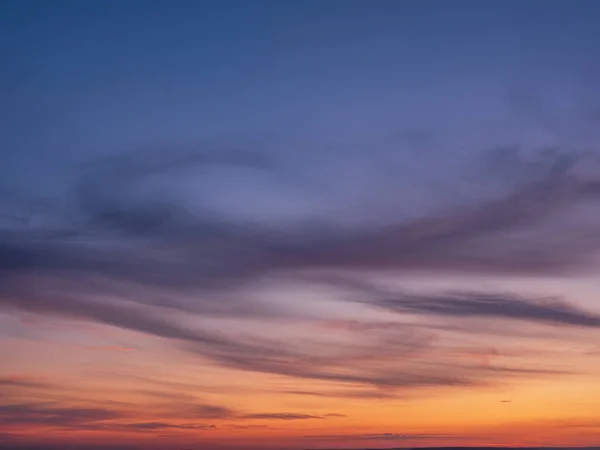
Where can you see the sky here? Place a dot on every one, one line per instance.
(299, 224)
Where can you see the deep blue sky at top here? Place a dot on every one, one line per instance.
(81, 78)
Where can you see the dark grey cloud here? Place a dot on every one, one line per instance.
(23, 382)
(379, 361)
(347, 394)
(281, 416)
(380, 437)
(205, 411)
(154, 426)
(168, 394)
(51, 415)
(469, 304)
(68, 301)
(16, 442)
(383, 368)
(507, 306)
(182, 416)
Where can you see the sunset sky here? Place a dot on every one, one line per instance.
(297, 224)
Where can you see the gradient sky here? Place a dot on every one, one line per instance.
(299, 224)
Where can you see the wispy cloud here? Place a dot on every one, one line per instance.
(44, 414)
(379, 437)
(204, 248)
(122, 255)
(347, 394)
(211, 411)
(153, 426)
(54, 414)
(23, 381)
(281, 416)
(470, 304)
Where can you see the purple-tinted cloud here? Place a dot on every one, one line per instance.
(470, 304)
(145, 249)
(133, 230)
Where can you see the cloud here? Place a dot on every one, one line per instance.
(386, 357)
(112, 348)
(469, 304)
(378, 437)
(15, 442)
(136, 236)
(472, 304)
(129, 226)
(289, 416)
(383, 368)
(48, 415)
(179, 416)
(78, 302)
(280, 416)
(205, 411)
(348, 394)
(212, 412)
(123, 201)
(153, 426)
(394, 364)
(21, 381)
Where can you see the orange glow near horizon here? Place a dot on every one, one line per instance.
(72, 382)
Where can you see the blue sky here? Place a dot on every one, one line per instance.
(86, 78)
